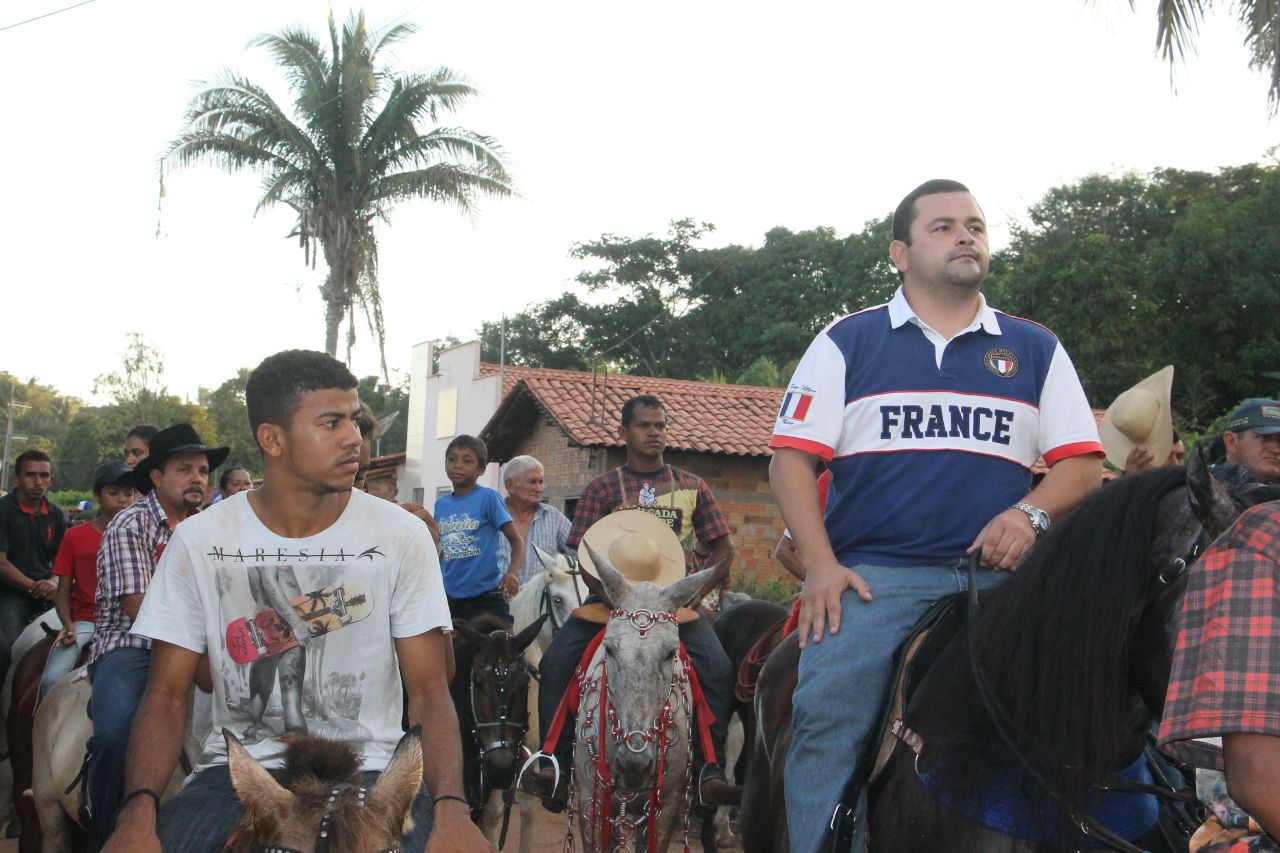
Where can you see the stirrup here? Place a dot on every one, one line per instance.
(532, 758)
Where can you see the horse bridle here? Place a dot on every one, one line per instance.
(326, 825)
(547, 606)
(505, 678)
(999, 718)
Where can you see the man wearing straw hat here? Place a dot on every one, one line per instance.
(641, 547)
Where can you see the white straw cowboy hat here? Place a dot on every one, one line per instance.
(639, 545)
(1140, 417)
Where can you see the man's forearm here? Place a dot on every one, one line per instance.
(13, 576)
(794, 481)
(1066, 484)
(442, 768)
(1253, 776)
(154, 744)
(721, 557)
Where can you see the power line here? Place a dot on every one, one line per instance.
(45, 15)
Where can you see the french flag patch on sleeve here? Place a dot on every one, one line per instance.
(795, 406)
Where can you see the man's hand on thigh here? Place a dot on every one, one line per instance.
(820, 601)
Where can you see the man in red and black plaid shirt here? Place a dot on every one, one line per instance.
(686, 504)
(1226, 668)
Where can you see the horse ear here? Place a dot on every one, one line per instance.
(397, 786)
(267, 805)
(1209, 499)
(472, 637)
(689, 589)
(613, 585)
(522, 640)
(548, 562)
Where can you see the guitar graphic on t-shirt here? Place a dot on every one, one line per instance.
(325, 610)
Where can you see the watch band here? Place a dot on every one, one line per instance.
(1039, 518)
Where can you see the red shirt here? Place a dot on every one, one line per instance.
(78, 559)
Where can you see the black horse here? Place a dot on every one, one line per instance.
(1075, 647)
(490, 690)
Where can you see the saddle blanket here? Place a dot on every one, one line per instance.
(1127, 814)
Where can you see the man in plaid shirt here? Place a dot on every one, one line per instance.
(173, 478)
(1225, 679)
(687, 505)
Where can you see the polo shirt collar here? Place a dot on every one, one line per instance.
(43, 509)
(900, 312)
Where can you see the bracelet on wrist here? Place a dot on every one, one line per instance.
(462, 800)
(141, 792)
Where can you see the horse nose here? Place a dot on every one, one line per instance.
(500, 767)
(634, 765)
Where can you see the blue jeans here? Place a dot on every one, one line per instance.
(202, 816)
(842, 684)
(62, 659)
(16, 610)
(118, 680)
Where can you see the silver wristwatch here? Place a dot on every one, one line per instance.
(1039, 518)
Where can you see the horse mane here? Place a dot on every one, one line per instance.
(314, 768)
(1054, 641)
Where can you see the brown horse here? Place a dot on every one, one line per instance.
(322, 793)
(1076, 647)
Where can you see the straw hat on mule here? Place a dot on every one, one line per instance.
(1140, 417)
(641, 547)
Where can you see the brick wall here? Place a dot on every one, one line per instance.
(740, 484)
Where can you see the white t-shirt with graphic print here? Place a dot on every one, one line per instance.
(351, 590)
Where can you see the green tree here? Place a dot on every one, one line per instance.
(352, 149)
(138, 386)
(95, 436)
(1178, 24)
(226, 410)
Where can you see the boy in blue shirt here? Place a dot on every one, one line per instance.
(470, 520)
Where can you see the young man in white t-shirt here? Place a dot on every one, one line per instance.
(345, 572)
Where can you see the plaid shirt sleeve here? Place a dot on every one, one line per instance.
(125, 559)
(708, 521)
(598, 500)
(1226, 665)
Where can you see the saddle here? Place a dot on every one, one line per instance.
(931, 634)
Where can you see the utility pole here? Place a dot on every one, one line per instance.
(8, 439)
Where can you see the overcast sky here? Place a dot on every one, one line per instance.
(617, 117)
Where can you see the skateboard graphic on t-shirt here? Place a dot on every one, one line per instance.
(325, 610)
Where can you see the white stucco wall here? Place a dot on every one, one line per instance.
(476, 399)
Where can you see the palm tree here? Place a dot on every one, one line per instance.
(1178, 22)
(352, 149)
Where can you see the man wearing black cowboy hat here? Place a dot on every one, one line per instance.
(174, 478)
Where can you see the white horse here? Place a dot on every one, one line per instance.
(558, 590)
(60, 731)
(633, 758)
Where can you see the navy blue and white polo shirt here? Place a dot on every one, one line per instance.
(929, 439)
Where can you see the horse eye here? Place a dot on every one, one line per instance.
(559, 599)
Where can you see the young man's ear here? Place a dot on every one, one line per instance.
(271, 439)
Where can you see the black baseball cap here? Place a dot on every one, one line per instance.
(1258, 414)
(113, 473)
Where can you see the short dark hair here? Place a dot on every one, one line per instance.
(146, 432)
(470, 442)
(643, 401)
(275, 387)
(29, 456)
(226, 475)
(905, 214)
